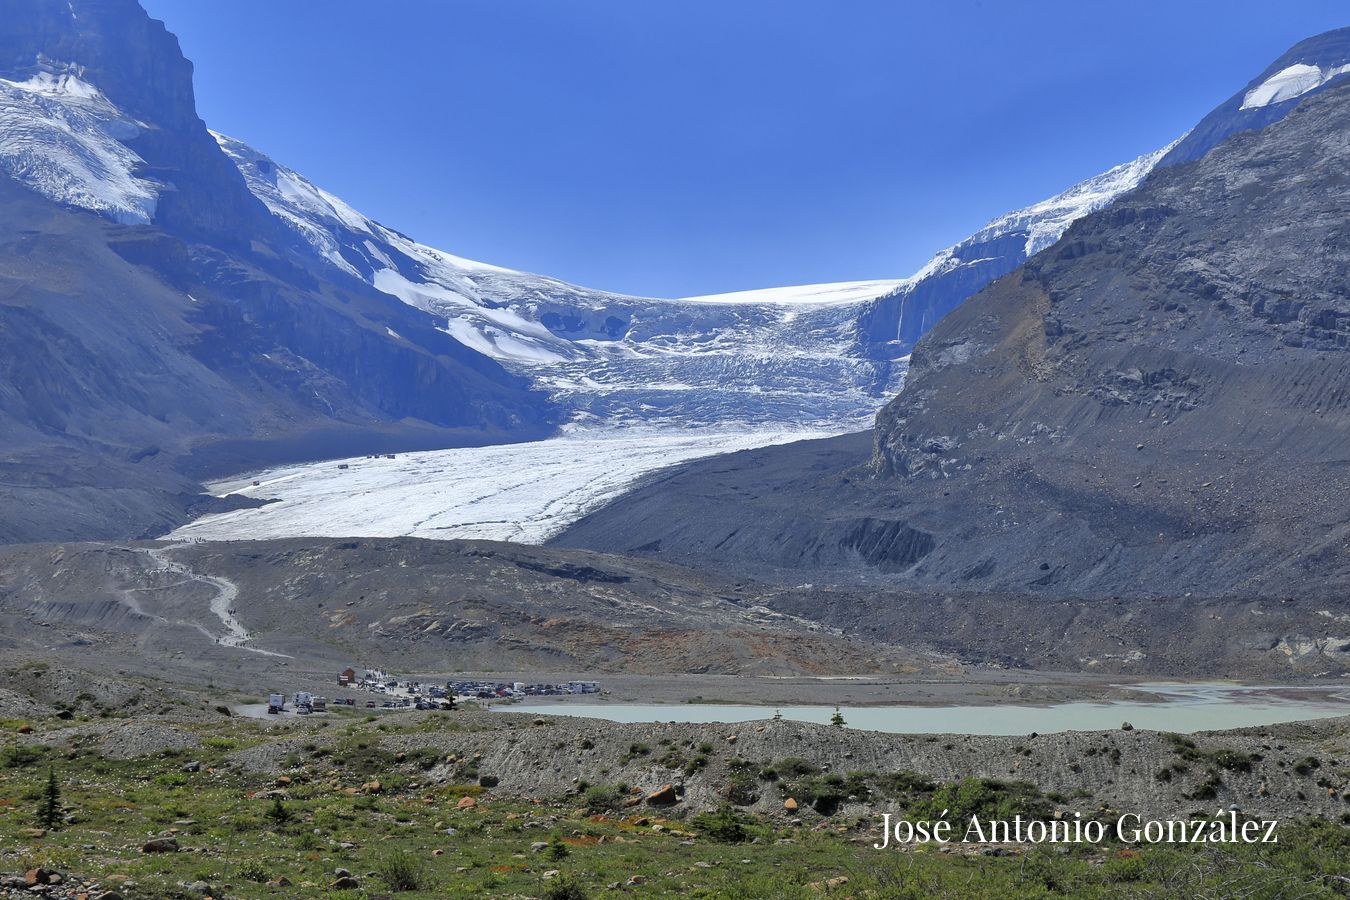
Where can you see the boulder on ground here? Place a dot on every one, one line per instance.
(663, 796)
(160, 845)
(38, 876)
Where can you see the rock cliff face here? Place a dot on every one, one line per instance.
(197, 335)
(1157, 405)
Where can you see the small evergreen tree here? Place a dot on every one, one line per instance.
(49, 806)
(837, 720)
(556, 848)
(279, 814)
(725, 825)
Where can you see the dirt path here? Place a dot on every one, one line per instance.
(222, 604)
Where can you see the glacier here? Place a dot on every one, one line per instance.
(508, 492)
(646, 382)
(770, 357)
(650, 382)
(61, 137)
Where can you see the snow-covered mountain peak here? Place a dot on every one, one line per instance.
(60, 136)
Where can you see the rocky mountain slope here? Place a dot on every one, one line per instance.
(1156, 405)
(156, 321)
(1165, 396)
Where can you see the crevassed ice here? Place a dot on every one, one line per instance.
(61, 137)
(517, 492)
(1288, 83)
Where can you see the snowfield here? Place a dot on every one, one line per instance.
(512, 492)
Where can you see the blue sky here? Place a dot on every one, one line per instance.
(678, 147)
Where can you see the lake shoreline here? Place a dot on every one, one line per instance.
(965, 686)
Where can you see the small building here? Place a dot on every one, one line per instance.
(347, 676)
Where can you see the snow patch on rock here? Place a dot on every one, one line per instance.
(1290, 82)
(61, 137)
